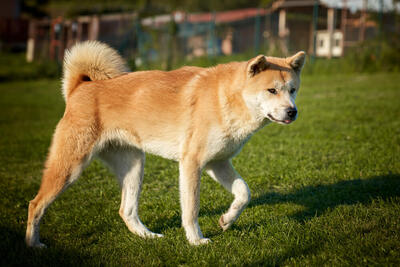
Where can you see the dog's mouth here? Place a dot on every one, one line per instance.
(278, 121)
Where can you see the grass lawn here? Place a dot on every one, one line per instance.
(325, 190)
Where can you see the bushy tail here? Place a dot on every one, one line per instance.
(90, 61)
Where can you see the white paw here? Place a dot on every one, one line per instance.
(153, 235)
(141, 230)
(223, 224)
(37, 245)
(201, 241)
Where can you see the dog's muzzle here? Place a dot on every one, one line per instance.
(291, 112)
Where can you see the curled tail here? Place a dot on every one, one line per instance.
(90, 61)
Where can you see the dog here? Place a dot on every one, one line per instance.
(200, 117)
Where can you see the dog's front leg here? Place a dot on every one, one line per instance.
(224, 173)
(189, 187)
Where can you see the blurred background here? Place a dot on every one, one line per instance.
(353, 35)
(324, 190)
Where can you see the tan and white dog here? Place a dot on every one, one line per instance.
(200, 117)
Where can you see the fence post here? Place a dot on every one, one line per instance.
(30, 47)
(257, 33)
(331, 29)
(315, 28)
(380, 28)
(139, 40)
(94, 25)
(212, 37)
(381, 16)
(185, 36)
(343, 26)
(172, 31)
(363, 18)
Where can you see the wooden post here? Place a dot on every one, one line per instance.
(213, 38)
(257, 33)
(61, 42)
(282, 23)
(381, 17)
(30, 46)
(94, 28)
(172, 32)
(79, 31)
(55, 37)
(344, 25)
(70, 36)
(331, 28)
(283, 31)
(363, 19)
(315, 29)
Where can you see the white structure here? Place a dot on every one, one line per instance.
(324, 44)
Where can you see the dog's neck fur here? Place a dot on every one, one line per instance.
(237, 124)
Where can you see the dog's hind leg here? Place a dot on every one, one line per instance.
(224, 173)
(69, 153)
(128, 166)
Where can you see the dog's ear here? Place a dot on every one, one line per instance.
(297, 61)
(256, 65)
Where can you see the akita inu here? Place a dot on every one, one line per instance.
(200, 117)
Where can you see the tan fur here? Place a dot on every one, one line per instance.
(200, 117)
(93, 60)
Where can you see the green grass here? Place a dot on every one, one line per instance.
(13, 67)
(325, 190)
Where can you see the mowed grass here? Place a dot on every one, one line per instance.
(325, 190)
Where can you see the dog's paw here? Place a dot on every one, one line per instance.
(148, 234)
(40, 246)
(201, 241)
(223, 224)
(154, 235)
(37, 245)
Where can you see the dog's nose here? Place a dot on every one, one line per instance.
(292, 112)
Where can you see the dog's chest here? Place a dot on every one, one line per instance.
(221, 146)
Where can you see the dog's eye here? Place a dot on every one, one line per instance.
(293, 90)
(272, 91)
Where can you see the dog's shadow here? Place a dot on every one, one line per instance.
(14, 252)
(320, 198)
(316, 200)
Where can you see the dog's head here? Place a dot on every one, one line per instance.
(272, 85)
